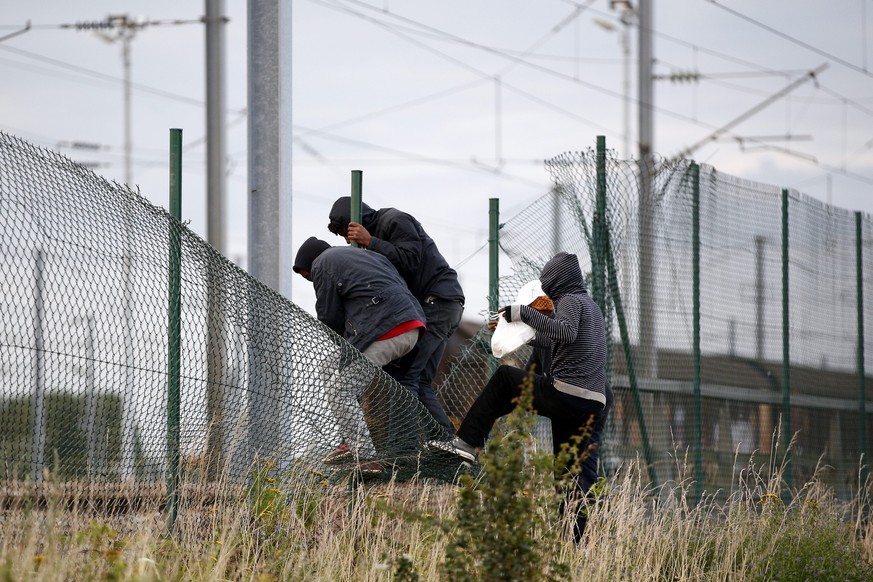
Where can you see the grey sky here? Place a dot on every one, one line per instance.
(408, 92)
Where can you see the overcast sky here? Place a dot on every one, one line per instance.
(446, 104)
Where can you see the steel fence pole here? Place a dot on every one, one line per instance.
(493, 262)
(862, 389)
(786, 352)
(695, 254)
(174, 327)
(357, 198)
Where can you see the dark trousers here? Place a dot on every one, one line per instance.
(570, 416)
(587, 476)
(443, 318)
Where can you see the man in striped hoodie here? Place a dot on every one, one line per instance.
(573, 393)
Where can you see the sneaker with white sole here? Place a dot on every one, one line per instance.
(342, 454)
(368, 468)
(457, 446)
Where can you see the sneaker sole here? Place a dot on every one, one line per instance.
(338, 460)
(446, 447)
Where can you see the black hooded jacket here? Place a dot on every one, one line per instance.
(576, 333)
(400, 237)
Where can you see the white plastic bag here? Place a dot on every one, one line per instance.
(511, 335)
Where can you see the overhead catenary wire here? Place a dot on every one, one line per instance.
(658, 109)
(723, 129)
(418, 157)
(433, 31)
(110, 78)
(528, 57)
(792, 39)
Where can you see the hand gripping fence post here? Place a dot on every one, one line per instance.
(357, 194)
(174, 328)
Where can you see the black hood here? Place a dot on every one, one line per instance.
(308, 252)
(561, 276)
(341, 212)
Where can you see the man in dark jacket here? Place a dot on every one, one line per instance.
(360, 296)
(400, 237)
(574, 393)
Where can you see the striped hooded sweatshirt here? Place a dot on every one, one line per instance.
(576, 333)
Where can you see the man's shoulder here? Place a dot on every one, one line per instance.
(393, 216)
(336, 255)
(354, 256)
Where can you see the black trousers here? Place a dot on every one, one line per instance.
(570, 416)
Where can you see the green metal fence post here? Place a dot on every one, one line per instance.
(786, 353)
(493, 262)
(602, 259)
(355, 215)
(862, 388)
(493, 254)
(695, 252)
(598, 283)
(174, 328)
(357, 194)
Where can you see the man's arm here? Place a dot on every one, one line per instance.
(401, 244)
(562, 328)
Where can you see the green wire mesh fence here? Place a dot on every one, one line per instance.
(84, 352)
(765, 358)
(720, 349)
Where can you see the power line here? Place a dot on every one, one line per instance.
(418, 157)
(394, 30)
(789, 38)
(405, 105)
(98, 25)
(468, 67)
(723, 129)
(676, 115)
(102, 76)
(27, 28)
(448, 36)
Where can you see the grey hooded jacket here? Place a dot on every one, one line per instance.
(576, 332)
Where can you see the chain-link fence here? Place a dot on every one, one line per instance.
(86, 288)
(735, 317)
(734, 310)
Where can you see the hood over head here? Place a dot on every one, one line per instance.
(308, 252)
(341, 213)
(562, 275)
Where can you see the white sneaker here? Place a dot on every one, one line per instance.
(456, 446)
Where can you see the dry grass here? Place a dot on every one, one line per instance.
(300, 528)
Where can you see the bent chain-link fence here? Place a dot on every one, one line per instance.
(84, 352)
(726, 326)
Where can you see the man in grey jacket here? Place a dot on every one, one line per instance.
(360, 296)
(575, 392)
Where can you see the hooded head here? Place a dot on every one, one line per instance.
(308, 252)
(341, 213)
(561, 275)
